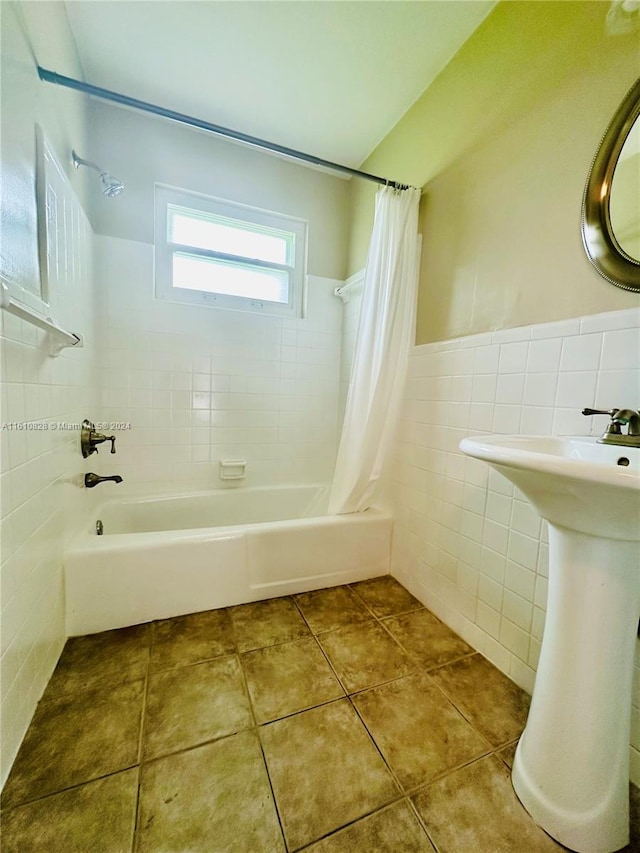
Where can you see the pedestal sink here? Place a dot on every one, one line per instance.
(571, 769)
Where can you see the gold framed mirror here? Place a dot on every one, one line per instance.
(611, 200)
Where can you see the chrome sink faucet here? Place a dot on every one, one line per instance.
(613, 433)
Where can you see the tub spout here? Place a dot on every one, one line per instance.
(91, 480)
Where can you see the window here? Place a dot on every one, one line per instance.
(215, 252)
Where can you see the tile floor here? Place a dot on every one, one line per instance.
(348, 720)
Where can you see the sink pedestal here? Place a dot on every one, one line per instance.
(571, 768)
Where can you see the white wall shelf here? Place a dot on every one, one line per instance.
(62, 337)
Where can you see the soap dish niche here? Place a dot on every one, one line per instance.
(232, 469)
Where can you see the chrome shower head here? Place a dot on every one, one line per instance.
(111, 187)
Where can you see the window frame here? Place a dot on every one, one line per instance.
(164, 251)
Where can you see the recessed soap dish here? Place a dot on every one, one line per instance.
(232, 469)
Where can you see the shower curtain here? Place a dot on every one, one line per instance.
(385, 334)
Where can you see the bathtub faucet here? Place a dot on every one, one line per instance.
(90, 439)
(91, 480)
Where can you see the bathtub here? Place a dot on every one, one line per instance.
(166, 556)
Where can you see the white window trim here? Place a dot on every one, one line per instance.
(164, 250)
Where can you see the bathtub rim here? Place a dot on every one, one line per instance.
(87, 541)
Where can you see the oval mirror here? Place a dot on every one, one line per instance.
(611, 201)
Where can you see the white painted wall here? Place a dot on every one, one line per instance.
(466, 542)
(142, 150)
(41, 469)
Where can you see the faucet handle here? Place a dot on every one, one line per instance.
(112, 439)
(611, 412)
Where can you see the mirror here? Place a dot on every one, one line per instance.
(611, 201)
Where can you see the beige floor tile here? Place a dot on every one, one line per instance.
(426, 638)
(365, 655)
(99, 660)
(98, 817)
(496, 706)
(385, 596)
(208, 800)
(418, 731)
(507, 754)
(326, 609)
(289, 677)
(191, 639)
(476, 809)
(193, 704)
(265, 623)
(391, 830)
(325, 771)
(77, 739)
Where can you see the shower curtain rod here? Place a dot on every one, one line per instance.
(125, 100)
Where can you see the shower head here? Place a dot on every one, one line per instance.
(111, 187)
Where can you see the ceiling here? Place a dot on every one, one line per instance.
(328, 78)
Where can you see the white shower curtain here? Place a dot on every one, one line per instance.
(385, 334)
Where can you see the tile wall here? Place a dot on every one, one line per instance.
(41, 481)
(467, 543)
(202, 384)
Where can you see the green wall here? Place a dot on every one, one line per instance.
(501, 143)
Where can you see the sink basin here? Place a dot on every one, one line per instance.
(573, 482)
(571, 768)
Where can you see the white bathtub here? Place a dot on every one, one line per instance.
(165, 556)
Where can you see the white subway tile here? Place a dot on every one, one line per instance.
(506, 419)
(517, 609)
(471, 525)
(474, 498)
(513, 357)
(572, 422)
(540, 389)
(525, 519)
(481, 417)
(621, 349)
(488, 619)
(626, 318)
(558, 329)
(498, 508)
(492, 563)
(523, 549)
(486, 359)
(536, 420)
(469, 551)
(463, 362)
(499, 483)
(503, 336)
(544, 356)
(541, 590)
(576, 390)
(510, 388)
(514, 638)
(581, 352)
(520, 580)
(617, 388)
